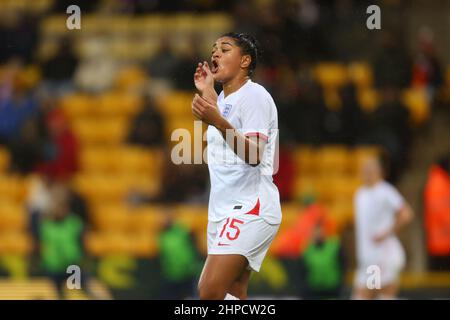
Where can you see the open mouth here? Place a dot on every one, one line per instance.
(215, 66)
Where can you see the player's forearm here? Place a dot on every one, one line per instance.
(241, 145)
(210, 94)
(403, 217)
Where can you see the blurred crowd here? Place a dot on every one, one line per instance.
(295, 36)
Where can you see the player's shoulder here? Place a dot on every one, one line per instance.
(256, 93)
(255, 89)
(359, 191)
(387, 187)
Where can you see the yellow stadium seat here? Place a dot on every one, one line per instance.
(331, 75)
(4, 159)
(12, 188)
(201, 242)
(339, 188)
(195, 217)
(107, 131)
(78, 105)
(97, 159)
(146, 219)
(110, 218)
(130, 78)
(126, 160)
(361, 74)
(342, 212)
(176, 104)
(101, 187)
(418, 104)
(13, 216)
(111, 243)
(368, 99)
(100, 243)
(55, 26)
(119, 104)
(115, 187)
(94, 24)
(332, 98)
(291, 212)
(15, 243)
(148, 185)
(29, 76)
(216, 23)
(332, 160)
(307, 186)
(143, 245)
(305, 160)
(183, 23)
(138, 160)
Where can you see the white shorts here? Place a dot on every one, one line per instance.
(247, 235)
(389, 261)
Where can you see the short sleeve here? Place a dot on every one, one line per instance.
(256, 116)
(394, 199)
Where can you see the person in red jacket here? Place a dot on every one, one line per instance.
(61, 150)
(437, 214)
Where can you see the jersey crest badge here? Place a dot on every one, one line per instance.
(227, 110)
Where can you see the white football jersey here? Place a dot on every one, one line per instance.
(375, 211)
(237, 187)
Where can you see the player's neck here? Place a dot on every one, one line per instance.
(234, 85)
(373, 183)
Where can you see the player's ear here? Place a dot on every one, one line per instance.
(245, 61)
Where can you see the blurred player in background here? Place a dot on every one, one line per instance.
(380, 213)
(244, 206)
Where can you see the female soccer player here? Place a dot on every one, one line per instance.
(380, 212)
(244, 207)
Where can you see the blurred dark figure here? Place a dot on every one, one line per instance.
(185, 68)
(427, 70)
(62, 66)
(61, 239)
(180, 261)
(392, 64)
(147, 126)
(18, 36)
(17, 102)
(437, 214)
(192, 191)
(387, 126)
(337, 122)
(303, 115)
(58, 71)
(61, 150)
(323, 266)
(163, 62)
(25, 149)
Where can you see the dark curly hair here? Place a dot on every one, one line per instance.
(249, 46)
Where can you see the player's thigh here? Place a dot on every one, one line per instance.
(222, 270)
(389, 291)
(362, 293)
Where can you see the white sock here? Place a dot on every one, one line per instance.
(230, 297)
